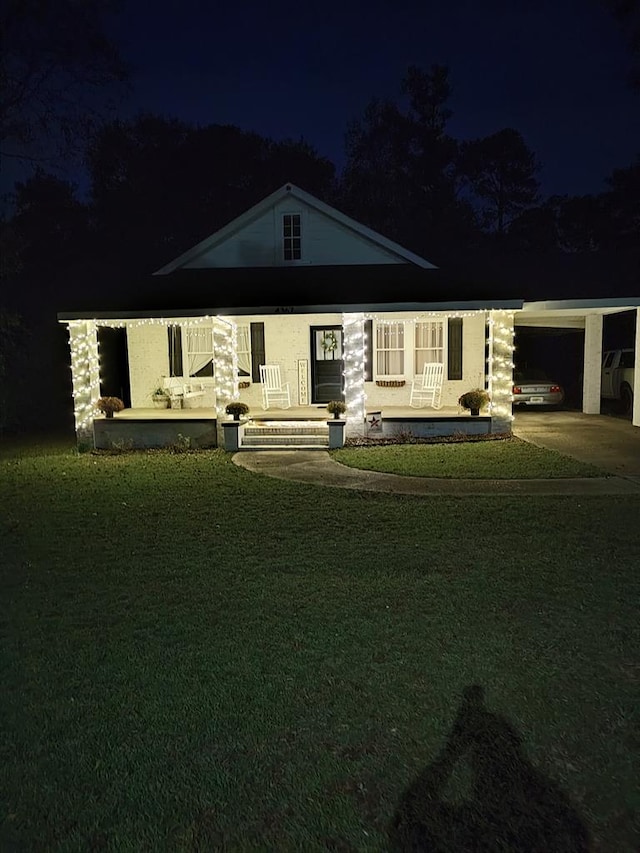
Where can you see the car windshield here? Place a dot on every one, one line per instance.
(528, 375)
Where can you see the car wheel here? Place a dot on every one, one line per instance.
(626, 400)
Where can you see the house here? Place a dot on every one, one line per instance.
(342, 311)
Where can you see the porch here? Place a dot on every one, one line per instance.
(152, 428)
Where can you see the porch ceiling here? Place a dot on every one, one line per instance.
(570, 313)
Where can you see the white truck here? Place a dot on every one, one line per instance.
(617, 377)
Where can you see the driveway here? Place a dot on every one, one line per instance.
(610, 443)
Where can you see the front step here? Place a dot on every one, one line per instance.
(283, 436)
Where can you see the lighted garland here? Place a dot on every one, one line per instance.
(355, 344)
(501, 346)
(226, 355)
(85, 373)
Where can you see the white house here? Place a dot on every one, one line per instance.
(341, 311)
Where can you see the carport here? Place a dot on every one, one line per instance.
(586, 315)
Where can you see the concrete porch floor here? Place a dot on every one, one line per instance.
(295, 413)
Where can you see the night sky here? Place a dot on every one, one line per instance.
(553, 69)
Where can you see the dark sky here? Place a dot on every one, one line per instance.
(553, 69)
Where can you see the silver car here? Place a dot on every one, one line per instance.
(533, 388)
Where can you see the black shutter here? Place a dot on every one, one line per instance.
(257, 350)
(368, 350)
(175, 350)
(454, 338)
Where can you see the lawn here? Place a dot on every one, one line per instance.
(510, 458)
(198, 658)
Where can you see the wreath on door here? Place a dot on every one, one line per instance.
(329, 342)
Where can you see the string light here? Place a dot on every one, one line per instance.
(186, 322)
(85, 374)
(85, 361)
(354, 353)
(501, 347)
(421, 315)
(226, 348)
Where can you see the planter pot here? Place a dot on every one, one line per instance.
(108, 414)
(475, 412)
(160, 402)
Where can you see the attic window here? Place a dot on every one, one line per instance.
(291, 237)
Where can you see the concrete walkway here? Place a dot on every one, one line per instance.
(610, 443)
(317, 467)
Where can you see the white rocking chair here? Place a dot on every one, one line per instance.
(274, 392)
(426, 390)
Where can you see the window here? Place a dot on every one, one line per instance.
(390, 349)
(627, 358)
(291, 237)
(244, 351)
(250, 350)
(429, 344)
(190, 351)
(199, 350)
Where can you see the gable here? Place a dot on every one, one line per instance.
(327, 238)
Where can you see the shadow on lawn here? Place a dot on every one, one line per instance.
(511, 806)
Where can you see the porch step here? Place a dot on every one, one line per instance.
(286, 430)
(296, 436)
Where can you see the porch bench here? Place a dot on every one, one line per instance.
(192, 395)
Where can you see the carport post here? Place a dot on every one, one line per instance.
(592, 364)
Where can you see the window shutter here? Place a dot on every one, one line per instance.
(368, 351)
(257, 350)
(454, 338)
(175, 350)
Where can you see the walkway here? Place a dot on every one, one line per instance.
(610, 443)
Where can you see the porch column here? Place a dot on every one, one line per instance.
(635, 415)
(592, 364)
(354, 363)
(85, 376)
(225, 337)
(225, 369)
(500, 371)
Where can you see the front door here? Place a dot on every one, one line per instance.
(327, 364)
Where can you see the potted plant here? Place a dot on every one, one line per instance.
(109, 405)
(336, 407)
(160, 398)
(236, 408)
(474, 400)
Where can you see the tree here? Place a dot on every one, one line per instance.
(400, 175)
(500, 173)
(621, 207)
(377, 179)
(160, 185)
(627, 13)
(57, 71)
(50, 266)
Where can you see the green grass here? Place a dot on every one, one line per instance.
(198, 658)
(505, 459)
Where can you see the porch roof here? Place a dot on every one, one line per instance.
(369, 308)
(480, 284)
